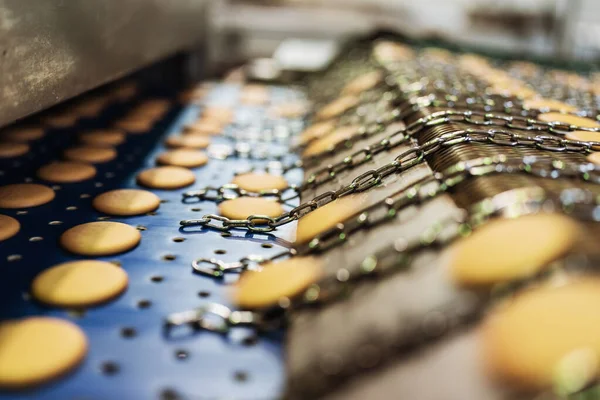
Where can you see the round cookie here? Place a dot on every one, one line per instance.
(256, 183)
(66, 172)
(24, 195)
(135, 125)
(124, 91)
(38, 349)
(9, 227)
(530, 340)
(277, 280)
(327, 217)
(79, 284)
(583, 136)
(13, 149)
(23, 134)
(548, 104)
(222, 114)
(90, 107)
(503, 250)
(392, 52)
(125, 202)
(187, 158)
(101, 238)
(363, 83)
(90, 154)
(205, 126)
(167, 178)
(331, 140)
(103, 137)
(594, 158)
(254, 95)
(153, 109)
(316, 131)
(190, 141)
(337, 107)
(243, 207)
(290, 110)
(568, 119)
(61, 121)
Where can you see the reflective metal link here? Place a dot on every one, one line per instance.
(408, 159)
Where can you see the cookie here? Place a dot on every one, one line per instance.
(101, 238)
(167, 178)
(36, 350)
(126, 202)
(79, 284)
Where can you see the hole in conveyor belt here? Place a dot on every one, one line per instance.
(109, 368)
(240, 376)
(128, 332)
(144, 304)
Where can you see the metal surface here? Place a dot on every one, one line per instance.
(150, 364)
(53, 50)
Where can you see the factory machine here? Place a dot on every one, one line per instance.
(299, 200)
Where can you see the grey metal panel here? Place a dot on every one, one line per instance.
(51, 50)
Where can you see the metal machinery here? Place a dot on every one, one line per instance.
(332, 154)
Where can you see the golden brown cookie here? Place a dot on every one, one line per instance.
(254, 95)
(204, 126)
(583, 136)
(363, 83)
(135, 125)
(317, 130)
(9, 227)
(504, 250)
(295, 109)
(66, 119)
(568, 119)
(103, 137)
(327, 217)
(124, 202)
(189, 141)
(258, 182)
(124, 91)
(66, 172)
(13, 149)
(337, 107)
(530, 340)
(548, 104)
(392, 52)
(152, 109)
(90, 107)
(187, 158)
(24, 195)
(331, 140)
(166, 178)
(102, 238)
(277, 280)
(222, 114)
(23, 134)
(36, 350)
(594, 158)
(90, 154)
(243, 207)
(79, 284)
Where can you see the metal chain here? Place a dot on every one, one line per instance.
(404, 161)
(580, 203)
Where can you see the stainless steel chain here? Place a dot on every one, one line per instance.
(408, 159)
(579, 202)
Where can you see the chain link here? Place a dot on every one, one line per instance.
(405, 161)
